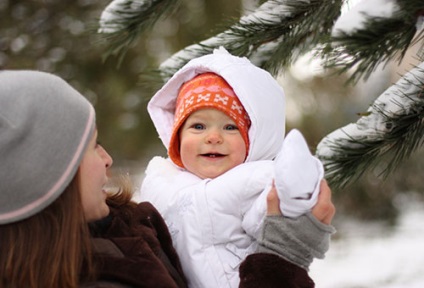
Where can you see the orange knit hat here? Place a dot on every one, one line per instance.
(206, 90)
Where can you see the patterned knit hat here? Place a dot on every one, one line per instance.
(45, 127)
(206, 90)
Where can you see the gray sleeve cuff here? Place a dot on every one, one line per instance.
(298, 240)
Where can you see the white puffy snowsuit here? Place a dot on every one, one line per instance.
(215, 222)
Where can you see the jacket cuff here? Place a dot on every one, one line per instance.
(298, 240)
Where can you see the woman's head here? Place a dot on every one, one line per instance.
(51, 181)
(45, 127)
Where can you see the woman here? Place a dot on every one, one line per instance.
(52, 185)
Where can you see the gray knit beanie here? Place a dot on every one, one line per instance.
(45, 126)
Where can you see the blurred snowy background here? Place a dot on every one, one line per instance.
(372, 255)
(379, 221)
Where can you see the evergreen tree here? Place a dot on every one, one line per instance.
(274, 35)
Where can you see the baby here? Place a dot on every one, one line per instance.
(222, 120)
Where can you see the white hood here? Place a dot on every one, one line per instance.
(261, 95)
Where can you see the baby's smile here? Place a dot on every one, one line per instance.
(212, 155)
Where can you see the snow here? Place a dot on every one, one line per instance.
(370, 255)
(396, 100)
(355, 18)
(112, 14)
(109, 16)
(269, 12)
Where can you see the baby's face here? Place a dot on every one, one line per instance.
(210, 143)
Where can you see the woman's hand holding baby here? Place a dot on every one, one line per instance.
(324, 210)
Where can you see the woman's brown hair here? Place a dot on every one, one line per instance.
(49, 248)
(121, 198)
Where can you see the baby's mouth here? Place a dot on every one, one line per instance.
(212, 155)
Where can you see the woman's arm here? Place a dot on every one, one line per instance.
(301, 239)
(287, 246)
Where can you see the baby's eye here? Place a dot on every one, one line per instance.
(198, 126)
(231, 127)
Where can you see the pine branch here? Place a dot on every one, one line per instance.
(123, 22)
(300, 32)
(391, 131)
(379, 40)
(273, 36)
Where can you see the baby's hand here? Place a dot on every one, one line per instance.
(297, 175)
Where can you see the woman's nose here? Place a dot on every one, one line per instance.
(106, 158)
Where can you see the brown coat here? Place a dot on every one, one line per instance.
(133, 248)
(271, 271)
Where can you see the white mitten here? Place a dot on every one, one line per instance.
(297, 176)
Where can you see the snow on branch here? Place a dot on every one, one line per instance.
(123, 21)
(372, 33)
(272, 36)
(356, 18)
(391, 129)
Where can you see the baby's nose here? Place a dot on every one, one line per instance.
(214, 137)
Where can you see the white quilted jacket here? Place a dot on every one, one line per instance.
(215, 222)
